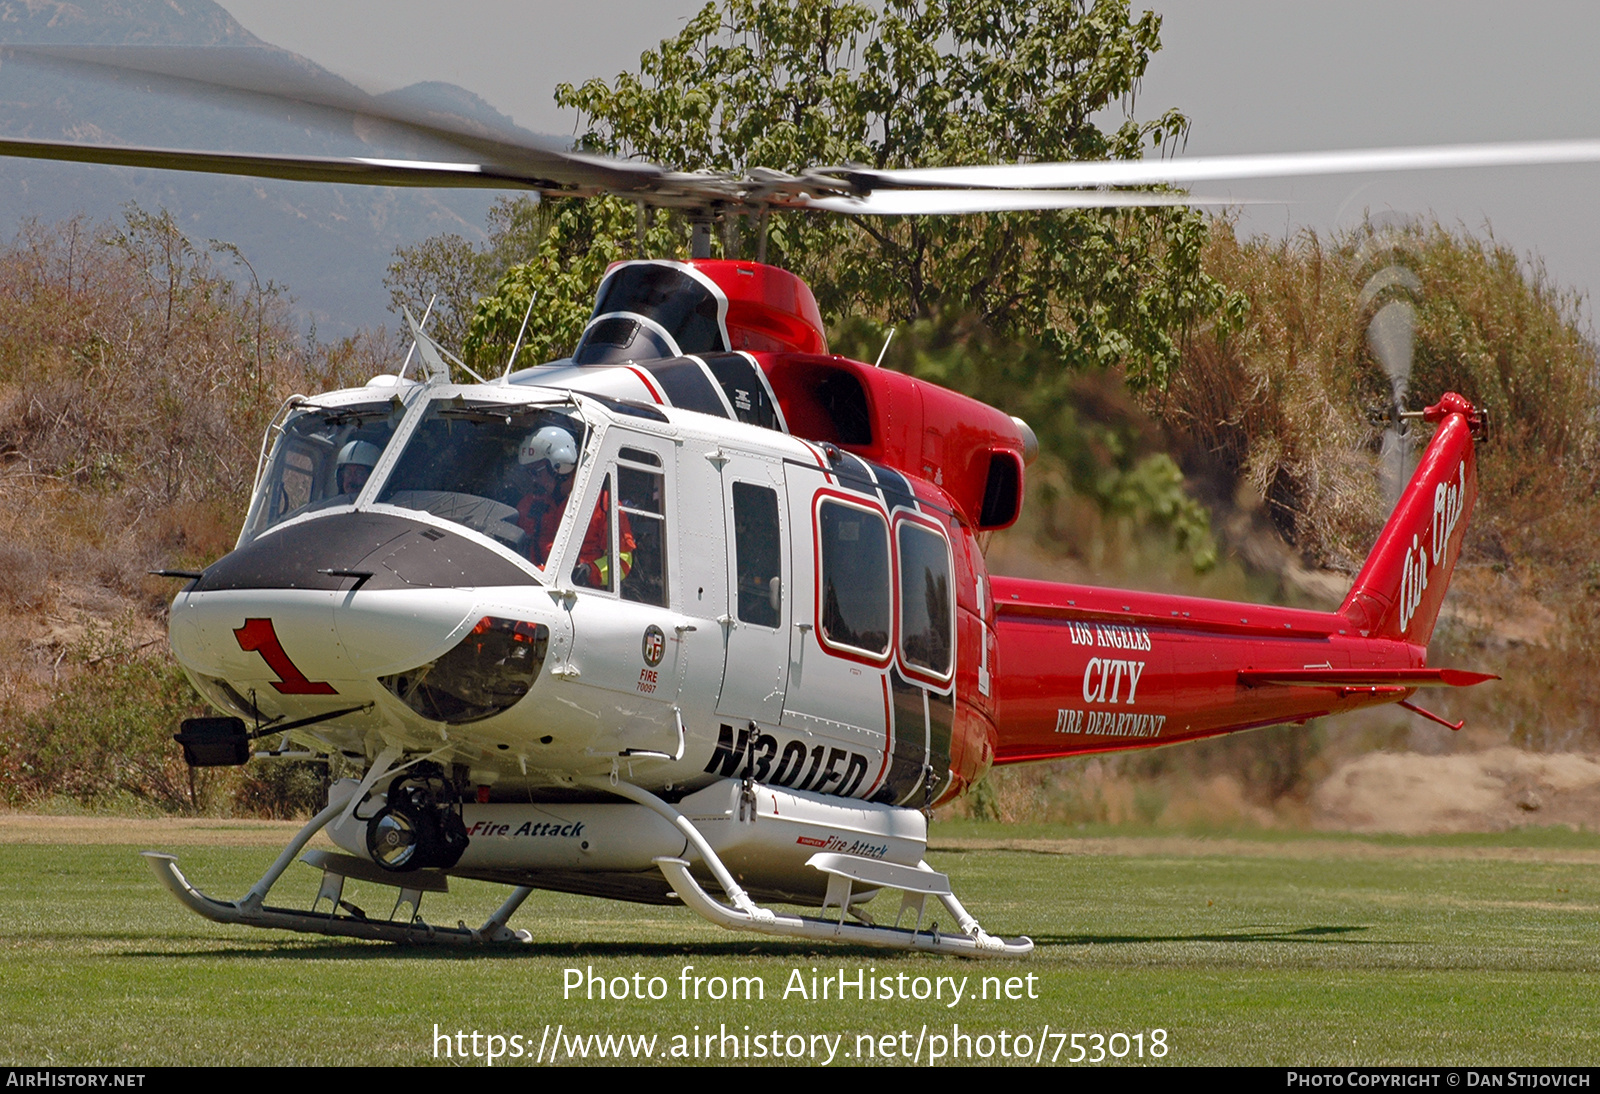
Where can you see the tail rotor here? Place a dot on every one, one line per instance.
(1391, 338)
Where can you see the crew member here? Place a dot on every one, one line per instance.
(354, 466)
(594, 558)
(547, 459)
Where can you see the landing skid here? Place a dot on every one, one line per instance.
(250, 913)
(251, 910)
(405, 924)
(844, 872)
(972, 942)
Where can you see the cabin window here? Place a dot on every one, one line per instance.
(758, 554)
(926, 621)
(504, 471)
(642, 522)
(593, 568)
(855, 578)
(624, 544)
(297, 480)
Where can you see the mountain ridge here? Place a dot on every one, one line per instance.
(329, 244)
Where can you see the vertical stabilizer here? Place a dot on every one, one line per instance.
(1399, 590)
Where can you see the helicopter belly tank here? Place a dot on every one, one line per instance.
(765, 835)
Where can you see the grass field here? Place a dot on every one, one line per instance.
(1245, 949)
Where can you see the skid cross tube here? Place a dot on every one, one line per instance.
(746, 915)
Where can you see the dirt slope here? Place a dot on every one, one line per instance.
(1486, 791)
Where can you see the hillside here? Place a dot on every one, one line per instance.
(136, 378)
(1277, 420)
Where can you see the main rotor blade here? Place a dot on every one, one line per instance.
(1179, 172)
(371, 172)
(267, 76)
(503, 156)
(899, 203)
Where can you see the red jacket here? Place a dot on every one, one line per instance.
(540, 519)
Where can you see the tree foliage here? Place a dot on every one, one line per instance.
(1290, 403)
(451, 273)
(1096, 445)
(789, 84)
(583, 238)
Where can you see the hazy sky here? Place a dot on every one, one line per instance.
(1254, 75)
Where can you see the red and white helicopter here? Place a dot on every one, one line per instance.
(701, 613)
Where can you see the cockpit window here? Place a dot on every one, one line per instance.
(503, 471)
(323, 458)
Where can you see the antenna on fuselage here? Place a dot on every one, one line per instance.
(879, 362)
(516, 349)
(433, 354)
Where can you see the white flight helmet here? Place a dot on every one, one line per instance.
(553, 445)
(364, 453)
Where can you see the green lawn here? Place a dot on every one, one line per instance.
(1256, 950)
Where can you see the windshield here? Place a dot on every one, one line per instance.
(323, 458)
(503, 471)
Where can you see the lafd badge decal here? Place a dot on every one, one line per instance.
(655, 645)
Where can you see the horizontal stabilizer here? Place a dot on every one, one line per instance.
(1361, 678)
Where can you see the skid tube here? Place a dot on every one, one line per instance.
(973, 942)
(247, 914)
(746, 915)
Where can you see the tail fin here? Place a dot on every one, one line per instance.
(1399, 590)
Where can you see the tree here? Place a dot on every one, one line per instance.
(442, 272)
(788, 84)
(451, 273)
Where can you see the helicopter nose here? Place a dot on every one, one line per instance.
(371, 552)
(324, 606)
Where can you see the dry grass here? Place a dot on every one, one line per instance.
(1290, 406)
(1280, 421)
(136, 379)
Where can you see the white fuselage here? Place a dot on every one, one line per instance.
(696, 663)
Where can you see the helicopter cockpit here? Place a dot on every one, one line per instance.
(503, 470)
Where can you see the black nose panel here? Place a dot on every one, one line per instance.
(397, 553)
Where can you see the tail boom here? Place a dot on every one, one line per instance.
(1085, 669)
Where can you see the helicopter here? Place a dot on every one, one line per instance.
(700, 614)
